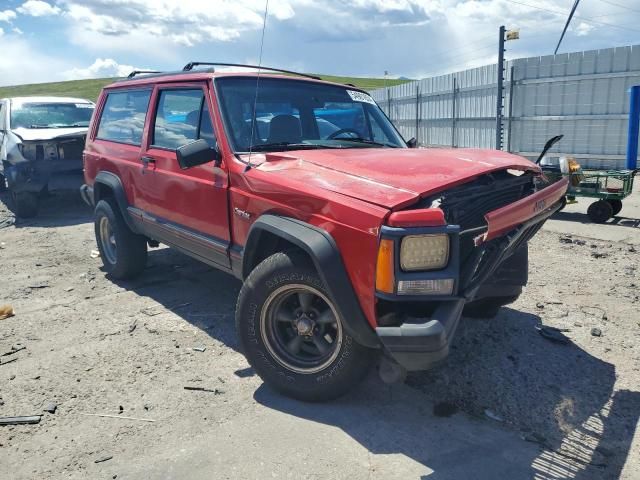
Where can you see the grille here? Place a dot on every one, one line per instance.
(467, 205)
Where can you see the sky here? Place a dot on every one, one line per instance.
(42, 41)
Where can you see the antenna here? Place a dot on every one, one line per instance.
(255, 98)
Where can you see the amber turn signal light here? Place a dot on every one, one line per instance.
(385, 281)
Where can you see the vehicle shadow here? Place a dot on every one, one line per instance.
(559, 397)
(584, 218)
(57, 209)
(201, 295)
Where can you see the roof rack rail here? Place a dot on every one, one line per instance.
(139, 72)
(189, 66)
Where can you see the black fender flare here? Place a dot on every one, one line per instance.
(322, 249)
(113, 182)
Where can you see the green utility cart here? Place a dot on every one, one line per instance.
(610, 187)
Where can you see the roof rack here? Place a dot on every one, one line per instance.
(138, 72)
(189, 66)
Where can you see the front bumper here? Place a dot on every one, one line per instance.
(32, 176)
(419, 343)
(418, 346)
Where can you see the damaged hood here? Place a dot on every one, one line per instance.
(35, 134)
(391, 178)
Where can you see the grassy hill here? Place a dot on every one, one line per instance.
(91, 88)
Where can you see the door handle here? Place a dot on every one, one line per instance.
(147, 160)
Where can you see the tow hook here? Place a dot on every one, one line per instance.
(391, 371)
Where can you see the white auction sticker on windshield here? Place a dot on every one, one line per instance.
(84, 105)
(360, 97)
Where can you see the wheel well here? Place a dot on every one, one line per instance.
(267, 245)
(100, 191)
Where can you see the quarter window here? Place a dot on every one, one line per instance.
(182, 117)
(123, 116)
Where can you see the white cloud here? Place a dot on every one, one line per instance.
(192, 22)
(7, 15)
(17, 31)
(583, 29)
(101, 68)
(22, 63)
(38, 8)
(1, 32)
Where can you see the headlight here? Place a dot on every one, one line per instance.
(424, 252)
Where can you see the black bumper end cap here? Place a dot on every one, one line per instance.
(86, 192)
(419, 346)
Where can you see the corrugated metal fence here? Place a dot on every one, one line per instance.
(582, 95)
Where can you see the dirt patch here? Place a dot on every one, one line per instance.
(154, 361)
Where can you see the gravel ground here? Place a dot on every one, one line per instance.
(126, 349)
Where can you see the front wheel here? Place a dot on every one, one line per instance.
(292, 333)
(123, 252)
(25, 204)
(600, 211)
(616, 206)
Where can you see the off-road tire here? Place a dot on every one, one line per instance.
(487, 307)
(600, 211)
(277, 273)
(128, 256)
(25, 204)
(616, 206)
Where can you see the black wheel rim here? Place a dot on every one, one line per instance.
(301, 329)
(108, 240)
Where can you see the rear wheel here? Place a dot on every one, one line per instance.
(123, 253)
(25, 204)
(600, 211)
(616, 206)
(292, 333)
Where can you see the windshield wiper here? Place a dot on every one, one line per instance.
(57, 125)
(367, 141)
(286, 145)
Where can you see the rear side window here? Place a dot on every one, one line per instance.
(182, 117)
(123, 116)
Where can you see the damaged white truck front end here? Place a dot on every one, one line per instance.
(41, 139)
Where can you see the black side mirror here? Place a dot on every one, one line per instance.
(413, 143)
(195, 153)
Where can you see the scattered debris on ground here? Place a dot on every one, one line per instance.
(6, 311)
(203, 389)
(550, 394)
(30, 419)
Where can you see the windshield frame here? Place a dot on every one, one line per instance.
(23, 105)
(347, 145)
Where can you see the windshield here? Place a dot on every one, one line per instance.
(294, 114)
(50, 115)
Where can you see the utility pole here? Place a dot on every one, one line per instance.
(566, 25)
(500, 95)
(503, 36)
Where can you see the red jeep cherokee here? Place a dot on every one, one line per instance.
(349, 243)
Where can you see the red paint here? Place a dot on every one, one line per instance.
(510, 216)
(349, 193)
(427, 217)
